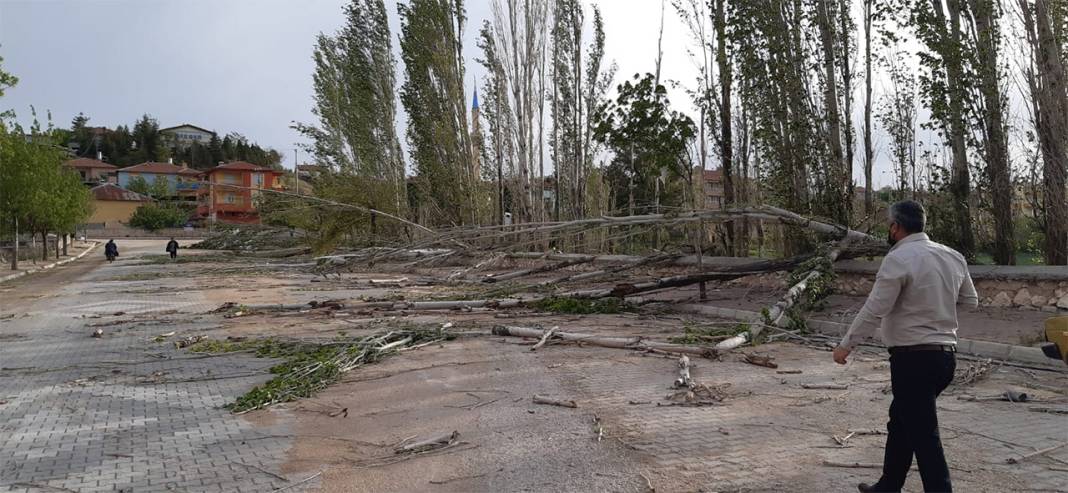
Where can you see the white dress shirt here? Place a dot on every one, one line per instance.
(915, 296)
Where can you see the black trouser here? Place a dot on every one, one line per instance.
(174, 254)
(917, 377)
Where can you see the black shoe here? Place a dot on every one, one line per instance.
(874, 488)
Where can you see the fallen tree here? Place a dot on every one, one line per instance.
(630, 343)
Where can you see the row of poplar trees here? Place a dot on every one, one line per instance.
(777, 94)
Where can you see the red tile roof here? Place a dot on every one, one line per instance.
(241, 166)
(109, 191)
(160, 168)
(84, 162)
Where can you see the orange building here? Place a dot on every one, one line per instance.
(229, 191)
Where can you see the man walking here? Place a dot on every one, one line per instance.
(172, 248)
(914, 300)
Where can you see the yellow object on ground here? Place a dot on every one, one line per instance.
(1057, 337)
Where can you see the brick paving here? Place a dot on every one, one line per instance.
(124, 413)
(772, 435)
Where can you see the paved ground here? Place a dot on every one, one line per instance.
(120, 412)
(126, 413)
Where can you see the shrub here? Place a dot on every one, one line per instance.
(153, 217)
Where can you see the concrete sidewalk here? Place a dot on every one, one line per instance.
(27, 267)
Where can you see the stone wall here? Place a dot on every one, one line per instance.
(1027, 294)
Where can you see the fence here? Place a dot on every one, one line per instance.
(120, 231)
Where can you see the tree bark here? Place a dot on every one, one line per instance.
(997, 158)
(830, 100)
(726, 137)
(960, 179)
(869, 151)
(1052, 127)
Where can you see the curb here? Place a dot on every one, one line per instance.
(49, 266)
(983, 349)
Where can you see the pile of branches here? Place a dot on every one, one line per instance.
(310, 367)
(248, 238)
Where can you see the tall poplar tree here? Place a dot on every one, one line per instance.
(433, 96)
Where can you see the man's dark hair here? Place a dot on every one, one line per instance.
(910, 215)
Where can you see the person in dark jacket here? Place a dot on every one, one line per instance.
(172, 248)
(111, 250)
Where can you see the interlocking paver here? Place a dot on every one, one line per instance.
(85, 414)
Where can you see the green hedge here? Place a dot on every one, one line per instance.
(153, 217)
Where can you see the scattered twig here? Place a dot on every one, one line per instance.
(1017, 460)
(648, 484)
(257, 468)
(428, 444)
(824, 386)
(538, 399)
(298, 483)
(765, 361)
(458, 478)
(1051, 410)
(855, 465)
(788, 372)
(544, 338)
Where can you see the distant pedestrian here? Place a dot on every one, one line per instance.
(172, 248)
(111, 250)
(914, 300)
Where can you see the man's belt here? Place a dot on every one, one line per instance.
(949, 348)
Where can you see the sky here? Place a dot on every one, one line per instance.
(245, 65)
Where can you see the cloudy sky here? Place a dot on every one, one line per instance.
(237, 65)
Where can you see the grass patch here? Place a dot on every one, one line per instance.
(579, 306)
(310, 367)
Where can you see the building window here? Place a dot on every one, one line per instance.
(229, 198)
(257, 180)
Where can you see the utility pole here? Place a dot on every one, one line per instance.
(296, 172)
(15, 257)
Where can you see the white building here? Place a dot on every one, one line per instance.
(185, 135)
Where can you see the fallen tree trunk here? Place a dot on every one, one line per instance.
(631, 343)
(778, 310)
(537, 270)
(583, 276)
(280, 253)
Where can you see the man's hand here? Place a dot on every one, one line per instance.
(840, 354)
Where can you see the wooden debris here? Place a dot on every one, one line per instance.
(343, 412)
(841, 441)
(972, 373)
(428, 444)
(856, 465)
(631, 343)
(1008, 395)
(537, 270)
(1051, 410)
(824, 386)
(765, 361)
(1017, 460)
(544, 338)
(188, 341)
(538, 399)
(788, 372)
(684, 379)
(866, 431)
